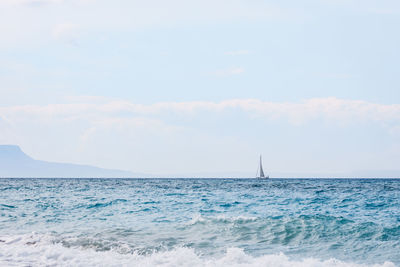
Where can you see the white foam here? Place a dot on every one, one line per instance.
(198, 218)
(39, 250)
(237, 219)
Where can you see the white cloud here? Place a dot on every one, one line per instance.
(30, 2)
(67, 32)
(89, 99)
(229, 72)
(237, 53)
(21, 24)
(330, 109)
(387, 11)
(92, 122)
(175, 135)
(40, 3)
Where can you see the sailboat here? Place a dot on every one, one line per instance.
(261, 175)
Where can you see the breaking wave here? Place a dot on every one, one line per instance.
(199, 219)
(44, 250)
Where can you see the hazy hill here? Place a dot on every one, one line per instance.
(15, 163)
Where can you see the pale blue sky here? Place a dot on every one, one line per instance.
(169, 87)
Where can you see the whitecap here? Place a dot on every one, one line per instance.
(198, 218)
(40, 250)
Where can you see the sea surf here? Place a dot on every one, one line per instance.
(199, 222)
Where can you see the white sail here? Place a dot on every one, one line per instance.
(262, 175)
(261, 169)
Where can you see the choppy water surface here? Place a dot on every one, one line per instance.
(199, 222)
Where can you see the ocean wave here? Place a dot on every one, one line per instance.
(41, 250)
(199, 219)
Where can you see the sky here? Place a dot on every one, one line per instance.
(181, 87)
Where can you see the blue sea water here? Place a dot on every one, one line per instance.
(199, 222)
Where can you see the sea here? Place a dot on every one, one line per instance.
(200, 222)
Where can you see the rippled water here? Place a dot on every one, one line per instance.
(200, 222)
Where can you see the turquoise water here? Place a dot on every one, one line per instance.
(199, 222)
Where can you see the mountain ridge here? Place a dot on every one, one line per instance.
(14, 163)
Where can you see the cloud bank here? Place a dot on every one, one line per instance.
(329, 109)
(197, 135)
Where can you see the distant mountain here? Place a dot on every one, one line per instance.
(15, 163)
